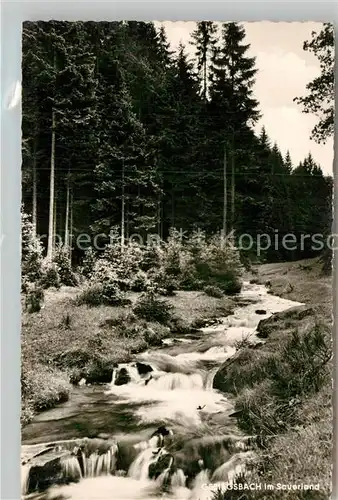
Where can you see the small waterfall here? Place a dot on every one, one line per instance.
(234, 467)
(25, 471)
(178, 479)
(201, 479)
(139, 469)
(76, 465)
(170, 364)
(172, 381)
(163, 480)
(113, 377)
(210, 379)
(97, 464)
(70, 467)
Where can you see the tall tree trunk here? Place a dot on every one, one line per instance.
(34, 208)
(54, 222)
(159, 216)
(71, 226)
(127, 217)
(50, 247)
(225, 187)
(205, 75)
(172, 206)
(233, 187)
(139, 208)
(67, 213)
(123, 209)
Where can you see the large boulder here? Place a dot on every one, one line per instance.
(143, 368)
(222, 379)
(267, 326)
(46, 464)
(164, 461)
(122, 377)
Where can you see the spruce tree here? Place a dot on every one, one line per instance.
(288, 161)
(204, 40)
(125, 176)
(232, 108)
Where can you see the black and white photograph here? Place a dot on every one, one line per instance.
(176, 260)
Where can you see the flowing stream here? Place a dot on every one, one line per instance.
(158, 430)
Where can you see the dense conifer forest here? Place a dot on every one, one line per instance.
(121, 132)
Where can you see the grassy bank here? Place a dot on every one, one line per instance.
(283, 389)
(65, 341)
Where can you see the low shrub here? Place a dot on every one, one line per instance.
(124, 262)
(50, 276)
(92, 362)
(246, 369)
(199, 262)
(128, 326)
(243, 343)
(34, 299)
(228, 281)
(91, 295)
(130, 330)
(260, 412)
(62, 260)
(303, 365)
(31, 252)
(41, 388)
(181, 326)
(72, 358)
(213, 291)
(154, 333)
(151, 258)
(66, 321)
(125, 317)
(150, 308)
(88, 263)
(163, 282)
(97, 294)
(139, 282)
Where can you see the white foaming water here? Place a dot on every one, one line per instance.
(139, 469)
(178, 392)
(105, 488)
(172, 381)
(178, 479)
(171, 364)
(235, 466)
(94, 465)
(25, 470)
(216, 353)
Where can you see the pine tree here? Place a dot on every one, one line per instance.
(232, 107)
(204, 40)
(125, 174)
(320, 99)
(288, 161)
